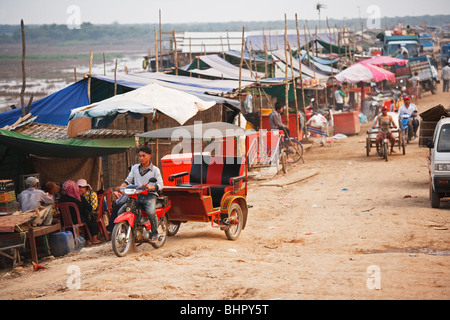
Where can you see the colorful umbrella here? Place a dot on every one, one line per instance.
(361, 72)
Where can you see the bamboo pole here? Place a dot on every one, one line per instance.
(242, 60)
(332, 73)
(160, 43)
(24, 77)
(300, 62)
(265, 53)
(297, 125)
(240, 70)
(314, 65)
(221, 43)
(156, 50)
(190, 50)
(286, 88)
(115, 79)
(176, 52)
(90, 73)
(29, 104)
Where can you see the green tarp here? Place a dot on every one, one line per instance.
(70, 148)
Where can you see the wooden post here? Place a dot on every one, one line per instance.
(115, 79)
(286, 90)
(221, 43)
(314, 66)
(190, 50)
(297, 125)
(242, 60)
(29, 104)
(160, 43)
(176, 52)
(265, 53)
(300, 62)
(240, 71)
(24, 77)
(90, 73)
(332, 73)
(156, 50)
(75, 73)
(104, 65)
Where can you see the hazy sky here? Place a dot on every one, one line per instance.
(181, 11)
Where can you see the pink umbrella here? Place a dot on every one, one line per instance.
(361, 72)
(384, 60)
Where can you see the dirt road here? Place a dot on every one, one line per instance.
(360, 229)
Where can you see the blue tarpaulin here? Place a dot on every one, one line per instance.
(54, 109)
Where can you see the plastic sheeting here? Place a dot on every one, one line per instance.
(296, 65)
(201, 88)
(220, 68)
(54, 109)
(178, 105)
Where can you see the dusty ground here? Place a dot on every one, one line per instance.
(361, 229)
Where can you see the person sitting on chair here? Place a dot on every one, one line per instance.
(33, 198)
(90, 195)
(385, 121)
(71, 193)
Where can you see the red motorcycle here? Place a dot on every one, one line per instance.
(133, 226)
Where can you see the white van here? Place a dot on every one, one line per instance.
(440, 163)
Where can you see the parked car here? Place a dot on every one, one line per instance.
(440, 162)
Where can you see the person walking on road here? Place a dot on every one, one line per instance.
(446, 77)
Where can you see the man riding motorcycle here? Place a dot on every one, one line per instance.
(384, 121)
(411, 110)
(141, 174)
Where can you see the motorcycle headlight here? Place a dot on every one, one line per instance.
(443, 167)
(129, 191)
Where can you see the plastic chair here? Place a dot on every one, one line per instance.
(101, 211)
(107, 195)
(64, 209)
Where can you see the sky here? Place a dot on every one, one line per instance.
(189, 11)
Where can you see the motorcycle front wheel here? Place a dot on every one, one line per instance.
(121, 244)
(162, 231)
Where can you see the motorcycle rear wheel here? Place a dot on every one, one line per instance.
(120, 244)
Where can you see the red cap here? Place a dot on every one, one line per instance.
(407, 98)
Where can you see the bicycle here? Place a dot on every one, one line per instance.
(289, 149)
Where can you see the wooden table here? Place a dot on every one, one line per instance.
(31, 235)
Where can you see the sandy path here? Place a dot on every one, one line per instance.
(318, 239)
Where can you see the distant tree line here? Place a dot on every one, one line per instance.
(116, 33)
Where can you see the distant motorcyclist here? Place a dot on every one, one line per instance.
(411, 110)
